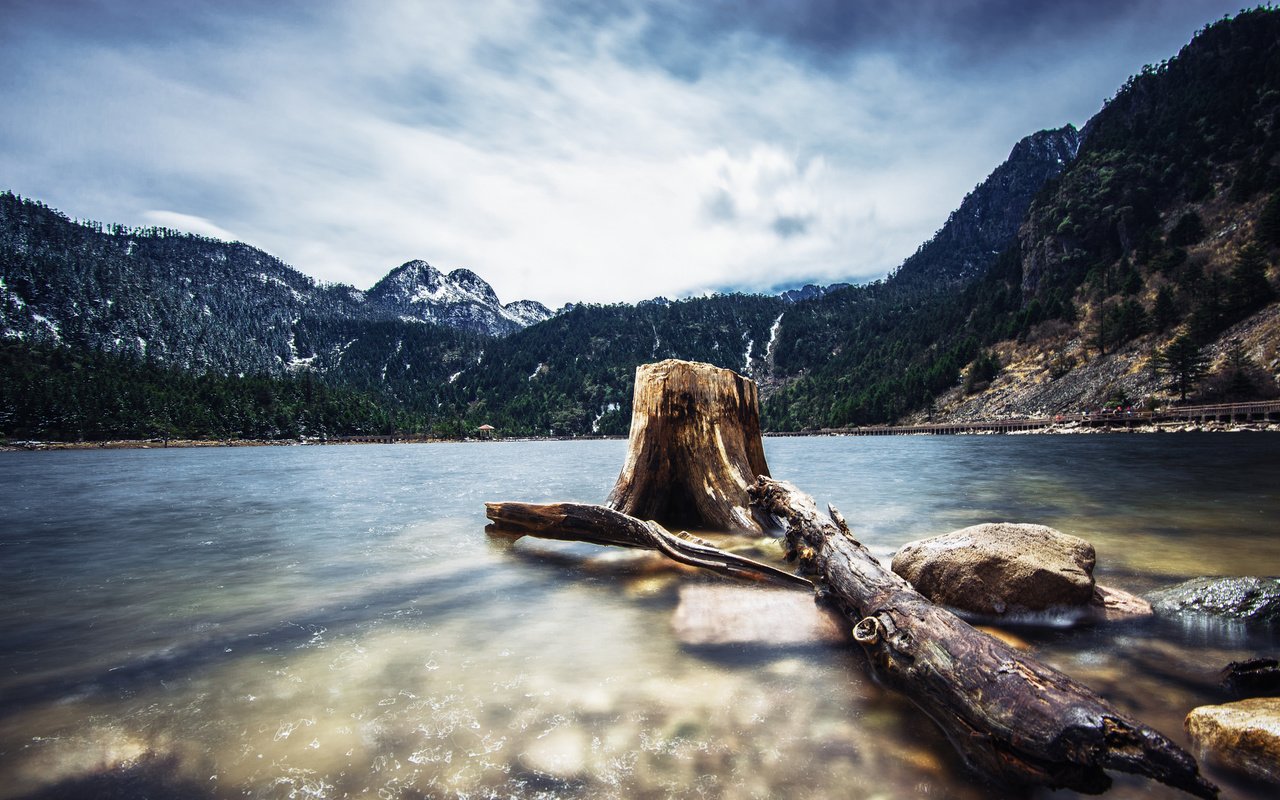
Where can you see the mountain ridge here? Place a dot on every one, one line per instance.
(202, 303)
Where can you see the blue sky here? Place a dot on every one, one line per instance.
(565, 150)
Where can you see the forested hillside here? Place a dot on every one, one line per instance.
(55, 393)
(1162, 228)
(573, 374)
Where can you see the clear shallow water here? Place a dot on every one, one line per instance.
(334, 622)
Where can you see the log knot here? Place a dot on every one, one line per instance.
(868, 631)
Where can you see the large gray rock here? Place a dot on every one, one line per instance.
(1244, 735)
(1244, 599)
(1000, 567)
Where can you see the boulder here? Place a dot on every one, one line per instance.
(1000, 567)
(1244, 735)
(1243, 599)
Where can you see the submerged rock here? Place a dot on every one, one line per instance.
(560, 754)
(1252, 678)
(1244, 735)
(1245, 599)
(714, 614)
(1000, 567)
(1110, 605)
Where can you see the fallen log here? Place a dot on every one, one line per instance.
(1015, 720)
(579, 522)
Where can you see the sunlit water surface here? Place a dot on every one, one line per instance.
(334, 622)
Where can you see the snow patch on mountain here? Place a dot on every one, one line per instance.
(461, 299)
(774, 330)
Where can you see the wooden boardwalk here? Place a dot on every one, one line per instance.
(1263, 411)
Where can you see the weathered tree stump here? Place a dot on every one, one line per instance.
(695, 447)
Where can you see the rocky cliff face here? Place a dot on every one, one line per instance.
(988, 218)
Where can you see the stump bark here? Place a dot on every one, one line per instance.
(694, 449)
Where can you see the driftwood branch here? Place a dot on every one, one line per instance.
(1011, 717)
(579, 522)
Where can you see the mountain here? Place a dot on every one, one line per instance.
(1074, 276)
(986, 221)
(989, 217)
(199, 303)
(872, 353)
(462, 299)
(573, 374)
(1156, 235)
(184, 300)
(809, 291)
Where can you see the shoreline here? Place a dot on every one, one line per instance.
(1064, 429)
(163, 444)
(1055, 429)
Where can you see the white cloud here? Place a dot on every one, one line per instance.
(189, 223)
(558, 164)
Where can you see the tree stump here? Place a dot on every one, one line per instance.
(695, 447)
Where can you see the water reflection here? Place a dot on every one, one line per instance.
(329, 622)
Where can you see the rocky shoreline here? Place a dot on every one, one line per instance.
(1069, 428)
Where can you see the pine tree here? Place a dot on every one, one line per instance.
(1182, 362)
(1188, 231)
(1248, 288)
(1268, 230)
(1164, 313)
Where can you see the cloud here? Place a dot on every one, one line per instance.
(564, 150)
(189, 223)
(786, 227)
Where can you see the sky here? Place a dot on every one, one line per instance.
(565, 150)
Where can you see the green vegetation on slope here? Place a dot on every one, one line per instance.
(53, 393)
(573, 374)
(1104, 250)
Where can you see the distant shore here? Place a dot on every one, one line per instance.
(149, 444)
(161, 444)
(993, 428)
(1063, 429)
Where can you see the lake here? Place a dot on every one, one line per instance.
(316, 622)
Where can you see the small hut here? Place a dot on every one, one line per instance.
(486, 431)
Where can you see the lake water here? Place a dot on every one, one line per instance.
(317, 622)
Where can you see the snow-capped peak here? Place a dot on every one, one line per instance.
(459, 299)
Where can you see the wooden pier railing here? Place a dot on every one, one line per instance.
(1261, 411)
